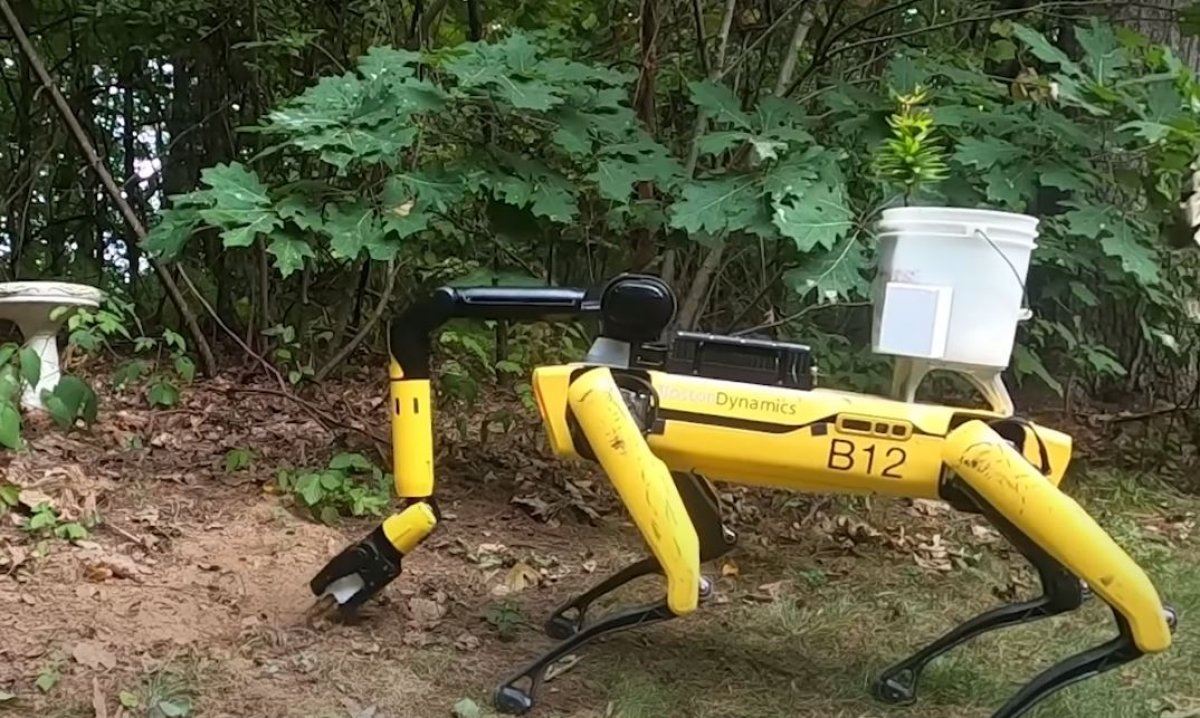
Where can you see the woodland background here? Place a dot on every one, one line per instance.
(292, 173)
(306, 168)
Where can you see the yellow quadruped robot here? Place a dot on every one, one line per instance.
(663, 418)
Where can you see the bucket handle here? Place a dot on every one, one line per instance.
(1026, 312)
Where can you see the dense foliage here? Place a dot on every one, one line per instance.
(742, 149)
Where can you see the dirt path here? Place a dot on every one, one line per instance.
(190, 597)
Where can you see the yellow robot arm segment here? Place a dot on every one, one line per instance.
(643, 482)
(1052, 520)
(407, 529)
(412, 434)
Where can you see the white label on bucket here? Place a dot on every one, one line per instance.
(915, 320)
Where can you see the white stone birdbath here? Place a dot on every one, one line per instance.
(30, 305)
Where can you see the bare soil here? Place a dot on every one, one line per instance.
(191, 589)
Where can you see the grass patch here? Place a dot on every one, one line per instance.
(816, 650)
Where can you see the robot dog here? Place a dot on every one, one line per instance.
(664, 418)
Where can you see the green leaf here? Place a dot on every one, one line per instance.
(309, 488)
(238, 459)
(1001, 50)
(835, 274)
(717, 142)
(31, 365)
(128, 700)
(1025, 362)
(43, 517)
(7, 352)
(903, 75)
(1043, 50)
(817, 216)
(332, 481)
(615, 178)
(388, 64)
(174, 707)
(1010, 186)
(1137, 258)
(185, 368)
(1102, 360)
(1149, 131)
(719, 102)
(573, 131)
(242, 208)
(346, 461)
(554, 202)
(1102, 54)
(986, 153)
(67, 400)
(528, 94)
(289, 253)
(9, 494)
(70, 531)
(329, 515)
(1063, 177)
(5, 696)
(1084, 294)
(46, 680)
(1087, 221)
(438, 189)
(129, 372)
(10, 425)
(354, 228)
(163, 393)
(466, 708)
(173, 339)
(717, 206)
(299, 212)
(175, 227)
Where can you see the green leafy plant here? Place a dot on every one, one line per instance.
(19, 367)
(238, 460)
(913, 155)
(48, 677)
(45, 521)
(289, 352)
(9, 497)
(506, 618)
(349, 486)
(160, 362)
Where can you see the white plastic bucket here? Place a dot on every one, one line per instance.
(951, 284)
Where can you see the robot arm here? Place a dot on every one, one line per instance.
(363, 569)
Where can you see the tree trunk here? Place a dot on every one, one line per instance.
(133, 188)
(645, 246)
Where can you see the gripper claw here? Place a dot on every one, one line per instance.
(567, 619)
(511, 700)
(898, 689)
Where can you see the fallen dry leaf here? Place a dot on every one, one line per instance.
(98, 705)
(730, 569)
(93, 654)
(769, 592)
(32, 498)
(467, 642)
(424, 611)
(521, 576)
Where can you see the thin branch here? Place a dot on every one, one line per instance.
(799, 35)
(793, 317)
(701, 40)
(762, 37)
(97, 165)
(943, 25)
(365, 329)
(702, 116)
(322, 416)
